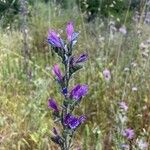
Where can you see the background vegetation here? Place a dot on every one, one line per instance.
(25, 120)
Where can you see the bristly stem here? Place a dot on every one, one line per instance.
(66, 108)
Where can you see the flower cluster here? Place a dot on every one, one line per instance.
(64, 114)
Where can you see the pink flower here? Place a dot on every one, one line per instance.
(123, 106)
(129, 133)
(107, 74)
(69, 30)
(56, 71)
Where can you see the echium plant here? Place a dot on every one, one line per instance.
(64, 115)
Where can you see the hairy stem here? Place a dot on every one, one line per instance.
(66, 109)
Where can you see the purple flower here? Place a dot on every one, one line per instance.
(80, 59)
(123, 106)
(65, 91)
(107, 74)
(56, 71)
(71, 35)
(53, 105)
(129, 133)
(73, 122)
(54, 39)
(78, 91)
(66, 119)
(69, 31)
(123, 30)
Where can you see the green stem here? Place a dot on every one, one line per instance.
(66, 110)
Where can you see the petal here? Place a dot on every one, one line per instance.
(66, 119)
(54, 39)
(52, 104)
(129, 133)
(69, 30)
(79, 91)
(56, 71)
(123, 106)
(73, 122)
(74, 38)
(83, 90)
(82, 119)
(82, 58)
(74, 91)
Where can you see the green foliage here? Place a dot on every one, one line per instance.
(8, 11)
(106, 8)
